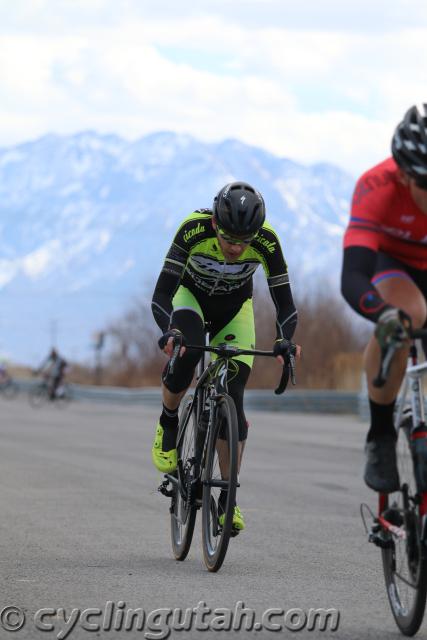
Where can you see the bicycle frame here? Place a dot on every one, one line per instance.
(217, 371)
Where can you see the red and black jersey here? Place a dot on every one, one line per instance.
(384, 220)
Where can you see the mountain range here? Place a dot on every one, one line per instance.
(86, 219)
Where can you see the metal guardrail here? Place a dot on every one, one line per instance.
(295, 401)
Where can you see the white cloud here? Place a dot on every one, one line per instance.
(327, 93)
(8, 270)
(38, 262)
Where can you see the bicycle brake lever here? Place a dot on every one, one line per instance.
(283, 381)
(288, 371)
(386, 358)
(175, 353)
(292, 368)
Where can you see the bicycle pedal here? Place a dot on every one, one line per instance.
(163, 489)
(378, 540)
(234, 533)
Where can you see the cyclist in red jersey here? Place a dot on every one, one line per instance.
(384, 277)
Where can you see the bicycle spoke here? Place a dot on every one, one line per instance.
(217, 515)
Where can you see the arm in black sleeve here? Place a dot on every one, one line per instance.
(167, 284)
(287, 315)
(356, 286)
(267, 245)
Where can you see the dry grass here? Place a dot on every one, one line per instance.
(332, 347)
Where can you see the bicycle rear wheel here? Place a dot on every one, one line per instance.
(405, 560)
(183, 508)
(63, 396)
(215, 479)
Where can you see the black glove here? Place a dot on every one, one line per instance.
(172, 333)
(284, 347)
(392, 328)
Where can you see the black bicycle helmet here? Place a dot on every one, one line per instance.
(409, 143)
(239, 209)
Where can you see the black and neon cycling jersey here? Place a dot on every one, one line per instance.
(195, 261)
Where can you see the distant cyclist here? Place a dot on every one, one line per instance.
(4, 374)
(384, 277)
(207, 276)
(53, 368)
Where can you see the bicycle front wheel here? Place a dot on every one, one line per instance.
(9, 389)
(220, 474)
(405, 560)
(183, 508)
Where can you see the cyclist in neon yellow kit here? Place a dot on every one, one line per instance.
(208, 276)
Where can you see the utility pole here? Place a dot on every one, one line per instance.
(99, 339)
(54, 332)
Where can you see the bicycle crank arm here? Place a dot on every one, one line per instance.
(377, 539)
(398, 532)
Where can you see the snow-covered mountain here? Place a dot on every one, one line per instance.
(85, 221)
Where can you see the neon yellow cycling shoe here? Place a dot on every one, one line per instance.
(164, 461)
(238, 521)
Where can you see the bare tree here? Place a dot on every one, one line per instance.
(332, 341)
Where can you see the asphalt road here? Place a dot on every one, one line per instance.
(83, 527)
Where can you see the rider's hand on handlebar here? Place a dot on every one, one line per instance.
(283, 348)
(171, 338)
(392, 328)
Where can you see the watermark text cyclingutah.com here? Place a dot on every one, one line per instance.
(159, 623)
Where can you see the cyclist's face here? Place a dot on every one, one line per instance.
(418, 195)
(230, 250)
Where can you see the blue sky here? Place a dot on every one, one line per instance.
(314, 81)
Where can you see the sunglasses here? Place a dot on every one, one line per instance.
(233, 240)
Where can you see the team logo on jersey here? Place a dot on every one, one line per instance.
(193, 232)
(270, 246)
(407, 219)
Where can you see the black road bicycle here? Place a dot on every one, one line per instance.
(9, 388)
(400, 527)
(207, 446)
(40, 394)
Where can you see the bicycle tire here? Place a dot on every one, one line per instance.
(215, 538)
(38, 395)
(183, 515)
(64, 398)
(9, 389)
(405, 561)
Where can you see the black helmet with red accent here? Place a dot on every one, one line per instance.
(409, 144)
(239, 209)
